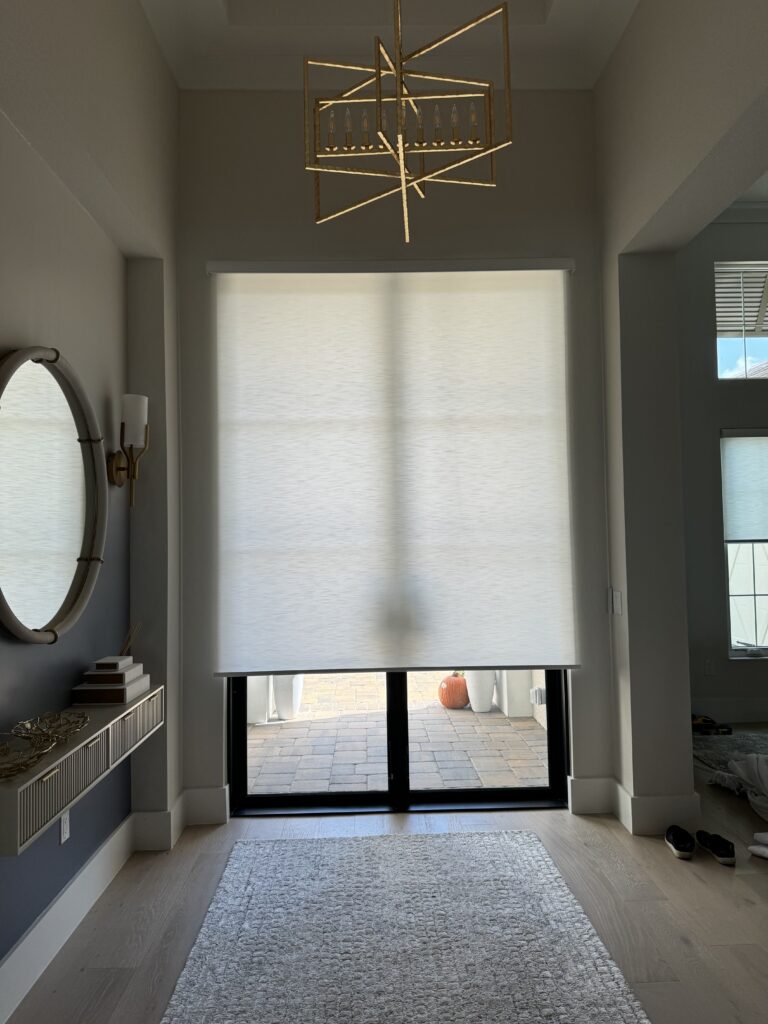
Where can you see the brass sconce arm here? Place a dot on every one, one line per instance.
(123, 465)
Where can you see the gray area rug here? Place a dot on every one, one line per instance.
(716, 751)
(461, 928)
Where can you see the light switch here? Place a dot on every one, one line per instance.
(64, 827)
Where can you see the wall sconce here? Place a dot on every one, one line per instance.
(134, 442)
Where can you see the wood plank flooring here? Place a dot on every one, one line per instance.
(691, 937)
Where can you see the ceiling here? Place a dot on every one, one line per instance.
(260, 44)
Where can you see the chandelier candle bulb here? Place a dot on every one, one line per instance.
(473, 135)
(455, 137)
(348, 143)
(438, 124)
(420, 127)
(366, 136)
(331, 146)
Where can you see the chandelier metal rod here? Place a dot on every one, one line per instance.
(454, 34)
(430, 176)
(338, 101)
(434, 150)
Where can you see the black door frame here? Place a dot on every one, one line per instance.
(399, 796)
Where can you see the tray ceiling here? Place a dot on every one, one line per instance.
(260, 44)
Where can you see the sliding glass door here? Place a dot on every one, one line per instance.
(396, 739)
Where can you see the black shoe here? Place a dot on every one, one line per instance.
(721, 849)
(680, 842)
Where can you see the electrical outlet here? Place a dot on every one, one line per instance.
(617, 603)
(64, 827)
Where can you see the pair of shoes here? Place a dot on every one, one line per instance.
(682, 844)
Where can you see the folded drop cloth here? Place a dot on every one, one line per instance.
(752, 772)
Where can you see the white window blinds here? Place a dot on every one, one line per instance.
(393, 471)
(744, 462)
(741, 304)
(741, 299)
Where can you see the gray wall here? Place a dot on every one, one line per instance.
(86, 85)
(726, 689)
(61, 284)
(244, 196)
(653, 504)
(682, 102)
(87, 178)
(681, 110)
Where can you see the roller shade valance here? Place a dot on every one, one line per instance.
(393, 484)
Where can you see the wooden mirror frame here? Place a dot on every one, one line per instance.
(95, 469)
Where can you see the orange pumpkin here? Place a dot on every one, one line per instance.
(452, 691)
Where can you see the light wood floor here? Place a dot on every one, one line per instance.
(691, 937)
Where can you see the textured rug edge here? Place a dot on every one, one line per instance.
(241, 846)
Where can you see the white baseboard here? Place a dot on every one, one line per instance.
(652, 815)
(209, 806)
(23, 965)
(640, 815)
(142, 830)
(159, 830)
(591, 796)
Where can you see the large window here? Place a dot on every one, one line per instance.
(744, 458)
(741, 296)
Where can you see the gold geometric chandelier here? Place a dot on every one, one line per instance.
(341, 138)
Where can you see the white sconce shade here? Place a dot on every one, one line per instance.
(134, 416)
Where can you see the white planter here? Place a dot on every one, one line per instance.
(515, 693)
(480, 685)
(258, 700)
(288, 691)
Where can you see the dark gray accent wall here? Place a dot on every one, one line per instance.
(62, 284)
(30, 882)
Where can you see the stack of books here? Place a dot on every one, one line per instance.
(112, 681)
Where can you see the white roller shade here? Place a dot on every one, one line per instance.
(393, 471)
(745, 487)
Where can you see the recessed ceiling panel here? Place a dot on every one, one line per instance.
(269, 13)
(260, 44)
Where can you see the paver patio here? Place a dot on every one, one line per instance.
(338, 742)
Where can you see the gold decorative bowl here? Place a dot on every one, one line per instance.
(20, 752)
(56, 725)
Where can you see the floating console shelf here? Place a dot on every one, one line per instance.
(32, 801)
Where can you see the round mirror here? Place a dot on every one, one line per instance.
(52, 496)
